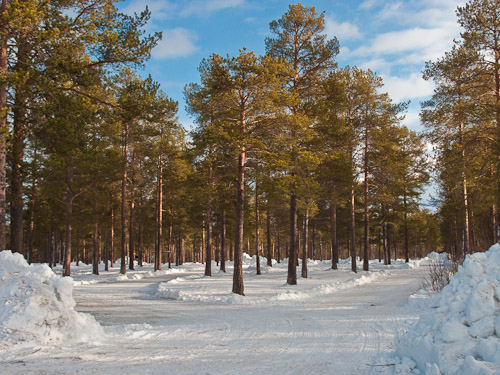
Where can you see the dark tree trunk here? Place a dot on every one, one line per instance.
(123, 265)
(112, 238)
(238, 287)
(131, 237)
(333, 234)
(16, 183)
(159, 214)
(352, 231)
(223, 242)
(3, 131)
(208, 254)
(141, 234)
(268, 232)
(95, 258)
(32, 203)
(292, 262)
(366, 204)
(305, 248)
(407, 252)
(257, 228)
(68, 219)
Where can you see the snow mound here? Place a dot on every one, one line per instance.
(460, 333)
(438, 257)
(167, 290)
(37, 305)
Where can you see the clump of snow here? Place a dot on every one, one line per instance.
(168, 290)
(460, 332)
(37, 305)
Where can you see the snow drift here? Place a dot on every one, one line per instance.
(460, 332)
(37, 305)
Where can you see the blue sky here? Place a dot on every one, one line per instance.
(392, 38)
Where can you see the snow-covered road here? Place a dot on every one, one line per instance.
(332, 323)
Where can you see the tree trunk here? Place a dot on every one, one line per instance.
(3, 130)
(16, 184)
(366, 203)
(238, 287)
(159, 213)
(292, 270)
(112, 238)
(352, 231)
(257, 228)
(268, 232)
(333, 234)
(223, 242)
(131, 237)
(407, 252)
(141, 234)
(95, 258)
(123, 265)
(68, 219)
(194, 248)
(305, 248)
(208, 254)
(32, 204)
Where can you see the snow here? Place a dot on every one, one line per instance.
(37, 305)
(178, 321)
(458, 332)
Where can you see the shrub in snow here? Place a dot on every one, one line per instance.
(36, 304)
(461, 333)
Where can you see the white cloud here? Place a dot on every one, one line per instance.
(404, 88)
(160, 9)
(368, 4)
(177, 42)
(204, 7)
(343, 31)
(412, 120)
(413, 46)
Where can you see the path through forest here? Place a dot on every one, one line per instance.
(316, 331)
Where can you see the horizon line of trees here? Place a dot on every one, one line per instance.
(291, 156)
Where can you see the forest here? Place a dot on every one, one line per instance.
(291, 156)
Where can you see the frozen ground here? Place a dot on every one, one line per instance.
(179, 322)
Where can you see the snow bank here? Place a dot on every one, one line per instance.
(460, 332)
(37, 305)
(167, 290)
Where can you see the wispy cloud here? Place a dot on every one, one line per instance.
(206, 7)
(425, 44)
(343, 31)
(407, 88)
(176, 43)
(160, 9)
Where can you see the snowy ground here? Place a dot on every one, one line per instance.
(179, 322)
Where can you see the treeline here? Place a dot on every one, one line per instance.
(291, 156)
(463, 123)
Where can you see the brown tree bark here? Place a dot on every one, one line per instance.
(3, 130)
(16, 181)
(238, 287)
(366, 204)
(269, 245)
(305, 246)
(223, 242)
(131, 237)
(333, 234)
(123, 264)
(159, 213)
(95, 257)
(68, 219)
(257, 229)
(292, 260)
